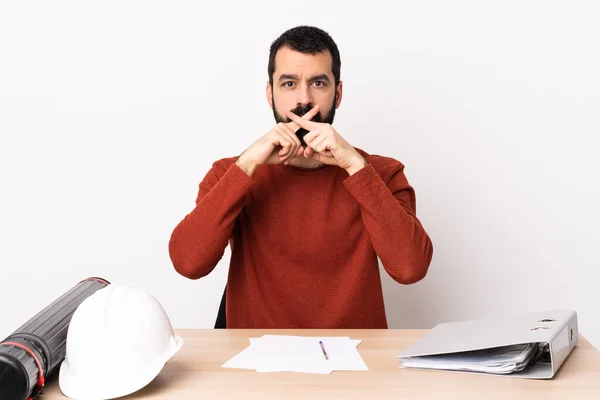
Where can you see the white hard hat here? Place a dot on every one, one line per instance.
(118, 341)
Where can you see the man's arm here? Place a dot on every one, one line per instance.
(389, 214)
(198, 242)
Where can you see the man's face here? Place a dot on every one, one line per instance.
(300, 82)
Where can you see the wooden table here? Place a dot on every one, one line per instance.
(196, 373)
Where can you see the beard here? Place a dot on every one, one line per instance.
(303, 109)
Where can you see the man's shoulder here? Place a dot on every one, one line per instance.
(218, 168)
(221, 165)
(225, 162)
(385, 166)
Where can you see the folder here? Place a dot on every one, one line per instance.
(527, 345)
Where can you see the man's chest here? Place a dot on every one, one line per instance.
(303, 215)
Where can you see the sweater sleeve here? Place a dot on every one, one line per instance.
(198, 242)
(388, 210)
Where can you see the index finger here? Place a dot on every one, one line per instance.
(304, 123)
(308, 116)
(293, 126)
(311, 113)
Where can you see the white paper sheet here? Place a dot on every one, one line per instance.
(279, 353)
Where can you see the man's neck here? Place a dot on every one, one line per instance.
(304, 162)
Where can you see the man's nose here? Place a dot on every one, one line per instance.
(303, 96)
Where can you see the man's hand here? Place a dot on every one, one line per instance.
(279, 145)
(325, 145)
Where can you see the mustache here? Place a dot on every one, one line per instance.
(300, 111)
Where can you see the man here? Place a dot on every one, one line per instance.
(306, 223)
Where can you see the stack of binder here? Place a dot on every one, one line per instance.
(529, 345)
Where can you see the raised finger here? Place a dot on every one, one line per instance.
(304, 123)
(311, 113)
(292, 126)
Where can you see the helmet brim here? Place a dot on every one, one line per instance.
(110, 384)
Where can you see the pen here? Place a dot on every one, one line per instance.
(324, 352)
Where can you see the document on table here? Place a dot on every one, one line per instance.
(281, 353)
(500, 360)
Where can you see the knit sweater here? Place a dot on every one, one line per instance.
(304, 242)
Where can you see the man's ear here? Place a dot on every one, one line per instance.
(270, 94)
(338, 94)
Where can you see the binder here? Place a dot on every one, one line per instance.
(459, 345)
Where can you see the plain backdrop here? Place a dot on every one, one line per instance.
(112, 112)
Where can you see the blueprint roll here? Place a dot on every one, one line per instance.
(34, 351)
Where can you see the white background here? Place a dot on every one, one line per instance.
(112, 112)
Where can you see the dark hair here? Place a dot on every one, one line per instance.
(308, 40)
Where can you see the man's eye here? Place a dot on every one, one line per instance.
(319, 83)
(288, 84)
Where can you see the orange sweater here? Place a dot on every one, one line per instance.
(304, 242)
